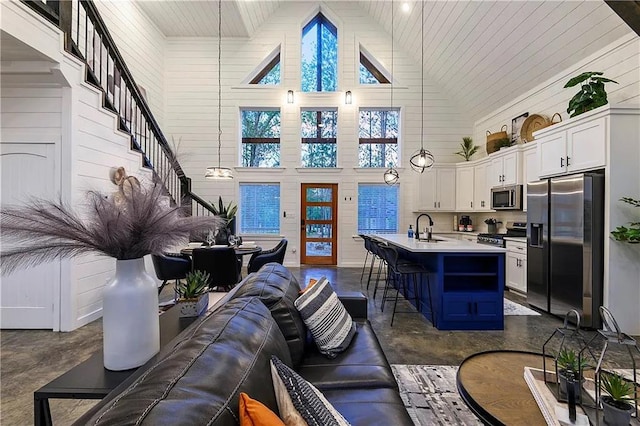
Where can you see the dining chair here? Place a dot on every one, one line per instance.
(170, 266)
(221, 263)
(276, 254)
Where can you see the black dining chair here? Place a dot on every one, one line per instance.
(170, 266)
(276, 254)
(221, 263)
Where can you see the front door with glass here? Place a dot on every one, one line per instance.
(318, 224)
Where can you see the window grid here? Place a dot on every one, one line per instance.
(319, 138)
(377, 208)
(259, 208)
(378, 138)
(260, 138)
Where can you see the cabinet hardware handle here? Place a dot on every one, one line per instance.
(568, 161)
(438, 204)
(435, 204)
(472, 204)
(561, 162)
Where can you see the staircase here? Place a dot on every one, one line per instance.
(87, 38)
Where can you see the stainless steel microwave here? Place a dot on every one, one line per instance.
(506, 197)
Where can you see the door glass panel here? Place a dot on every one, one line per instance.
(319, 213)
(318, 249)
(319, 231)
(318, 194)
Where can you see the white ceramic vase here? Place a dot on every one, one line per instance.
(130, 320)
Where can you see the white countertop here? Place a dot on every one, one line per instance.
(448, 245)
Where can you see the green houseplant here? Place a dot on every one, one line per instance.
(570, 368)
(630, 234)
(192, 297)
(227, 213)
(617, 405)
(591, 95)
(467, 148)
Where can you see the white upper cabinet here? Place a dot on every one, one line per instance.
(504, 168)
(437, 189)
(464, 188)
(482, 186)
(575, 145)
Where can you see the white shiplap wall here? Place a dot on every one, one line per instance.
(618, 61)
(142, 45)
(191, 108)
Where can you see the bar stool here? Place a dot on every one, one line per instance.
(371, 244)
(367, 243)
(399, 272)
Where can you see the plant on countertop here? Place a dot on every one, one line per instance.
(467, 148)
(193, 286)
(504, 143)
(629, 234)
(591, 95)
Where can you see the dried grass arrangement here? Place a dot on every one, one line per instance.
(129, 224)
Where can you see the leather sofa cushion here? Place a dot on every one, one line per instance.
(361, 365)
(200, 380)
(365, 407)
(278, 290)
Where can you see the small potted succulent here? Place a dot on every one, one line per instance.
(617, 405)
(570, 368)
(192, 294)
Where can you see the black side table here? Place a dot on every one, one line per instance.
(90, 380)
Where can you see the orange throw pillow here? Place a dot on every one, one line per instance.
(312, 281)
(255, 413)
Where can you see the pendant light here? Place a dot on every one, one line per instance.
(391, 175)
(219, 172)
(422, 159)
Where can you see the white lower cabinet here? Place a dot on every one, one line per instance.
(516, 266)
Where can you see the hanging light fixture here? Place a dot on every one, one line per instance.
(219, 172)
(422, 159)
(391, 175)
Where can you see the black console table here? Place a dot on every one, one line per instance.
(90, 380)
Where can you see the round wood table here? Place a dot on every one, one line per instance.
(493, 386)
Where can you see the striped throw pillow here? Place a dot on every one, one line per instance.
(326, 317)
(299, 402)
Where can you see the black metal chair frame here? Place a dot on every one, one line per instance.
(277, 254)
(181, 263)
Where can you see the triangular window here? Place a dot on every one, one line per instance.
(268, 72)
(319, 61)
(370, 72)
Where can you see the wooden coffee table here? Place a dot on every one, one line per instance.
(493, 386)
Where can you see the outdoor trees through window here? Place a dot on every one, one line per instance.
(377, 208)
(260, 138)
(378, 138)
(319, 131)
(319, 55)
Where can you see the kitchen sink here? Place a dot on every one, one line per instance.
(430, 240)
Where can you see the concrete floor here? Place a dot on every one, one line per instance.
(31, 358)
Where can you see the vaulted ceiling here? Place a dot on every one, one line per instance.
(482, 53)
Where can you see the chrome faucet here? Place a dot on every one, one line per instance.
(418, 227)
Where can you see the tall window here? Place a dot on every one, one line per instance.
(378, 138)
(319, 55)
(260, 138)
(259, 208)
(377, 208)
(319, 131)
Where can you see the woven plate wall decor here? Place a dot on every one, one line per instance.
(533, 123)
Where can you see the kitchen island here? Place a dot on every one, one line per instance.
(466, 280)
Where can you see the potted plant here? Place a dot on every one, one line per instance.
(126, 225)
(467, 148)
(227, 213)
(503, 143)
(617, 405)
(629, 234)
(192, 294)
(570, 368)
(591, 95)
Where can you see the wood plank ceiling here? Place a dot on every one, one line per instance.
(482, 53)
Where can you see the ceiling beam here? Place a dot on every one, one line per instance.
(629, 11)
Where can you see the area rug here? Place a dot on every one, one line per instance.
(429, 392)
(513, 308)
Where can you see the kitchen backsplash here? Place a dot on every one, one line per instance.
(443, 222)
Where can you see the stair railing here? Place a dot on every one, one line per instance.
(87, 37)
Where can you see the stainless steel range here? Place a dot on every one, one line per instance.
(514, 229)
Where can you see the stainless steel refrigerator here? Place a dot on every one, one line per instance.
(565, 245)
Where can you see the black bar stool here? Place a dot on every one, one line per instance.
(399, 272)
(367, 243)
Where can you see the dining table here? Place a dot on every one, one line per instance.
(240, 251)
